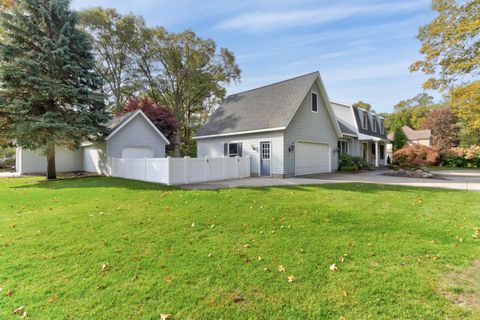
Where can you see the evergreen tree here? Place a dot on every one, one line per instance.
(49, 91)
(399, 139)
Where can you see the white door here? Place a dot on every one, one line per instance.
(137, 153)
(311, 158)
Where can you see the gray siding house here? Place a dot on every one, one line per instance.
(131, 135)
(287, 128)
(366, 136)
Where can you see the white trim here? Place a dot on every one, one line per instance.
(139, 111)
(238, 133)
(311, 95)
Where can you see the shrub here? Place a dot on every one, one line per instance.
(461, 157)
(349, 163)
(415, 156)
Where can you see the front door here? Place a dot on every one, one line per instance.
(265, 161)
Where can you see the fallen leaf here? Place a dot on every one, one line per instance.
(9, 293)
(266, 270)
(19, 310)
(210, 255)
(342, 259)
(281, 268)
(165, 316)
(246, 245)
(291, 278)
(105, 267)
(302, 251)
(168, 279)
(259, 258)
(193, 224)
(333, 268)
(344, 293)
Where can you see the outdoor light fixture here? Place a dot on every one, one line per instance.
(292, 147)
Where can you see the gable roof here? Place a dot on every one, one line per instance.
(267, 108)
(416, 134)
(117, 123)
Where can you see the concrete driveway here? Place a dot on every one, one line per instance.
(453, 179)
(9, 174)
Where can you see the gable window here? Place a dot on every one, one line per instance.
(232, 150)
(342, 147)
(314, 102)
(365, 120)
(374, 123)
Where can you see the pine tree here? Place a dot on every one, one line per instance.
(49, 92)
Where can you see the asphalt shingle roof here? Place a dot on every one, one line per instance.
(345, 129)
(267, 107)
(118, 120)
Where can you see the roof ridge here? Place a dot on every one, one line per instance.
(272, 84)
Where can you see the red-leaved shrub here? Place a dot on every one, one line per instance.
(416, 156)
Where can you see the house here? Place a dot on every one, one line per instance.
(366, 137)
(288, 128)
(131, 135)
(423, 137)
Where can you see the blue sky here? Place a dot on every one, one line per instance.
(361, 48)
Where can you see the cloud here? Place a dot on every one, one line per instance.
(264, 21)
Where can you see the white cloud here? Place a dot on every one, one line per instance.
(261, 21)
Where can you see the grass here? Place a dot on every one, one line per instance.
(216, 254)
(444, 168)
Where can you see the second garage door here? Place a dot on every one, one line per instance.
(311, 158)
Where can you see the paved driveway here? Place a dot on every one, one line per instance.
(454, 179)
(9, 174)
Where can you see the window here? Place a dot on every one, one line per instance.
(373, 148)
(265, 150)
(233, 150)
(382, 128)
(342, 147)
(382, 152)
(314, 102)
(374, 123)
(365, 120)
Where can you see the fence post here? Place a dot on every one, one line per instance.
(169, 175)
(224, 166)
(206, 168)
(145, 169)
(237, 165)
(186, 161)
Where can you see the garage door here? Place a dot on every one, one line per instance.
(311, 158)
(137, 153)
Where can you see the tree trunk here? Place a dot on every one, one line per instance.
(50, 153)
(177, 143)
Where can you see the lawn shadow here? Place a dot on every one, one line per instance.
(96, 182)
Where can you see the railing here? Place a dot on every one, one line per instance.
(176, 171)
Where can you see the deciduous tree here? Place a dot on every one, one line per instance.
(186, 73)
(113, 35)
(443, 124)
(362, 105)
(162, 117)
(451, 50)
(49, 92)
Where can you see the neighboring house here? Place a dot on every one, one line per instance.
(423, 137)
(131, 135)
(288, 128)
(363, 133)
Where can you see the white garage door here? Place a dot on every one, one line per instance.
(311, 158)
(137, 153)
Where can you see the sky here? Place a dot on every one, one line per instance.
(362, 48)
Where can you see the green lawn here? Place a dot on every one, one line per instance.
(216, 254)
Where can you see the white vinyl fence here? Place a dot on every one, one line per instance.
(174, 171)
